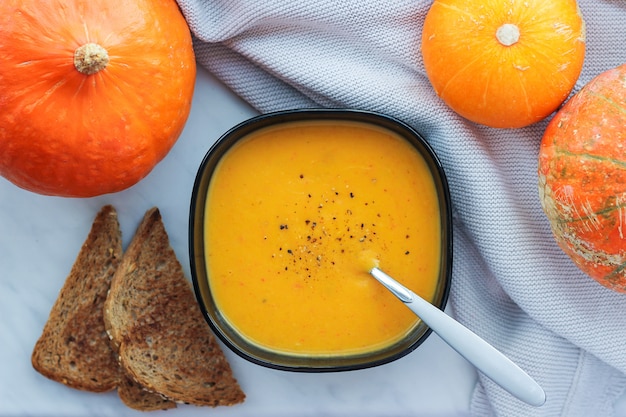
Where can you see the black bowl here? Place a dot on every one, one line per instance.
(313, 363)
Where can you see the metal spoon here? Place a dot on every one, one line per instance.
(476, 350)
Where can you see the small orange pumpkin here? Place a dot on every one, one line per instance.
(504, 64)
(582, 178)
(93, 93)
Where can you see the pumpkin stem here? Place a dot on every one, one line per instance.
(90, 58)
(507, 34)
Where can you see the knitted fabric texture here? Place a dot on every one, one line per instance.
(511, 283)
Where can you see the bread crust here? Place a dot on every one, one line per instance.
(137, 397)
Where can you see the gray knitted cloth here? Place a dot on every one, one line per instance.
(512, 284)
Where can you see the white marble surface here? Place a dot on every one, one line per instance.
(40, 238)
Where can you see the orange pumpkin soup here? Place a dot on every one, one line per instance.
(290, 212)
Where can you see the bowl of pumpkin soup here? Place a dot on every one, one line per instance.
(284, 208)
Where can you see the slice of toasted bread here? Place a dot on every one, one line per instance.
(73, 348)
(163, 340)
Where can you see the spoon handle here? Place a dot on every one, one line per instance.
(468, 344)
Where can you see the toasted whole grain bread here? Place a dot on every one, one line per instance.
(153, 318)
(73, 348)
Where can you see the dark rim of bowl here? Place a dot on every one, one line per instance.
(196, 238)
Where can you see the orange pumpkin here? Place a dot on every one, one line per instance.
(582, 178)
(504, 64)
(93, 93)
